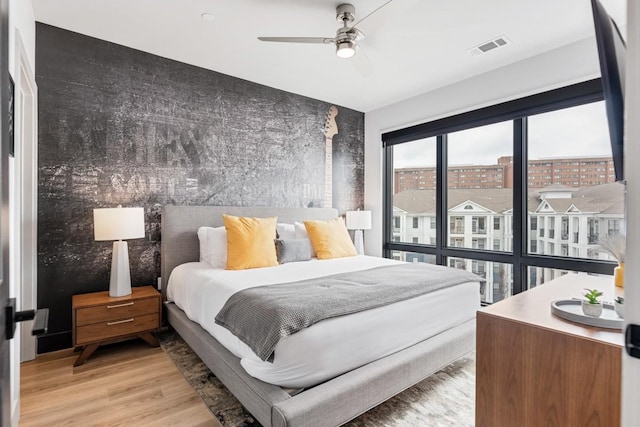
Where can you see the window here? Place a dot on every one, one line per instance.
(498, 277)
(479, 175)
(478, 225)
(413, 257)
(562, 135)
(564, 228)
(415, 240)
(456, 225)
(555, 144)
(414, 185)
(613, 227)
(593, 227)
(396, 222)
(478, 243)
(457, 242)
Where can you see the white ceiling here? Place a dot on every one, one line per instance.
(415, 46)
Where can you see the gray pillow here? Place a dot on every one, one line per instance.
(292, 250)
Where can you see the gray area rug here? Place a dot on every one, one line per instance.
(447, 398)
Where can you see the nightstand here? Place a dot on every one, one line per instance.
(100, 319)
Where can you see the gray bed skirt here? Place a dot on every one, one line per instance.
(338, 400)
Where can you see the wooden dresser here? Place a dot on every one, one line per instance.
(535, 369)
(100, 319)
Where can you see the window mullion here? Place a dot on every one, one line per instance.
(519, 218)
(441, 198)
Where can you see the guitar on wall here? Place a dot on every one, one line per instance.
(330, 129)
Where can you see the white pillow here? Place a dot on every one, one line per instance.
(286, 231)
(301, 233)
(213, 246)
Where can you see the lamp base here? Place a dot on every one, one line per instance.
(358, 241)
(120, 284)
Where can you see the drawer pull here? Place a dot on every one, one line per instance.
(120, 305)
(119, 322)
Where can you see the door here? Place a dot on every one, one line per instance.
(5, 378)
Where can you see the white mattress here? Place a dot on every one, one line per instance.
(333, 346)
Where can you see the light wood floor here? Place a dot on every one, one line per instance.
(126, 384)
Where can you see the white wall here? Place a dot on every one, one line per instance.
(21, 17)
(630, 366)
(569, 64)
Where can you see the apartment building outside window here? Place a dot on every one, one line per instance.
(560, 208)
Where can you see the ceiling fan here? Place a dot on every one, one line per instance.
(346, 39)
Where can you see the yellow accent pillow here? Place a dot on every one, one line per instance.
(330, 239)
(250, 242)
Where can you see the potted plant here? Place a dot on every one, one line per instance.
(615, 244)
(592, 306)
(619, 306)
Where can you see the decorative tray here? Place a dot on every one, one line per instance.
(571, 309)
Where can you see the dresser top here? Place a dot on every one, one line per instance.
(534, 306)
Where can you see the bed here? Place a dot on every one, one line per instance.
(336, 399)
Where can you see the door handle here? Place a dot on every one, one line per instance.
(40, 317)
(632, 340)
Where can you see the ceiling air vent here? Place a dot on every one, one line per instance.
(489, 45)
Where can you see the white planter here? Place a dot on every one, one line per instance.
(619, 309)
(593, 310)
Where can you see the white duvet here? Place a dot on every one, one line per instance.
(333, 346)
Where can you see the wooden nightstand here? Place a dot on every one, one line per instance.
(99, 319)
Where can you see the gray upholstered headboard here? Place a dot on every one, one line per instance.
(180, 224)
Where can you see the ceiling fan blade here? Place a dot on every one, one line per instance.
(361, 62)
(321, 40)
(374, 11)
(392, 9)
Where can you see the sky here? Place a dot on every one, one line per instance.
(573, 132)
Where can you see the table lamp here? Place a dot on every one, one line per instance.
(118, 224)
(359, 220)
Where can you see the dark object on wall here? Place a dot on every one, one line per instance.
(11, 114)
(121, 126)
(612, 51)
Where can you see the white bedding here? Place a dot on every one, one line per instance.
(333, 346)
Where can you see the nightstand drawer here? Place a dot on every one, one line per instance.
(116, 311)
(116, 328)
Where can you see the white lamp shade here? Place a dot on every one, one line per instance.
(118, 223)
(359, 220)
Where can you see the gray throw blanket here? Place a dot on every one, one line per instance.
(262, 315)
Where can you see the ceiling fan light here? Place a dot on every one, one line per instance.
(346, 49)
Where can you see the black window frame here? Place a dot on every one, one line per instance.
(517, 111)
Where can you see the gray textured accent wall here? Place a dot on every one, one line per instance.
(121, 126)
